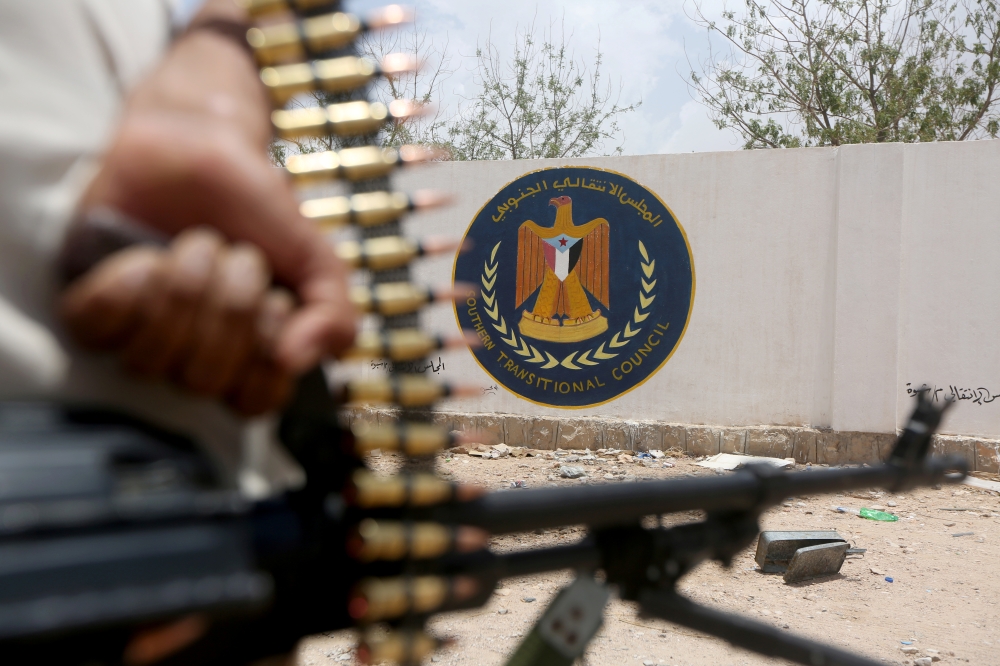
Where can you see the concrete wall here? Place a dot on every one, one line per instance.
(827, 281)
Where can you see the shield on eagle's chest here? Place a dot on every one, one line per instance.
(561, 255)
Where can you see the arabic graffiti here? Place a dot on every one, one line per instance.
(410, 366)
(616, 190)
(978, 396)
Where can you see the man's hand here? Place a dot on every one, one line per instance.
(200, 313)
(190, 152)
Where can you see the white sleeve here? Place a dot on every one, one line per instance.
(65, 66)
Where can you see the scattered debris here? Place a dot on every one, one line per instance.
(518, 484)
(458, 450)
(881, 573)
(981, 483)
(877, 514)
(731, 461)
(656, 453)
(528, 600)
(570, 472)
(958, 534)
(922, 661)
(815, 561)
(868, 513)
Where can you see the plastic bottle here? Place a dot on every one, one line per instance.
(872, 514)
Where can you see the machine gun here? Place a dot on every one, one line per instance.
(118, 544)
(109, 528)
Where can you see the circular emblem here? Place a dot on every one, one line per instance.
(584, 284)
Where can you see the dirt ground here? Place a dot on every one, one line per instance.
(942, 602)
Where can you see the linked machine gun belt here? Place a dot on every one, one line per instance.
(117, 546)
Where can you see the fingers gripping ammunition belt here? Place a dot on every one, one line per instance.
(309, 50)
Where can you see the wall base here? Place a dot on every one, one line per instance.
(806, 445)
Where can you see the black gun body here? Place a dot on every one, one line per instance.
(623, 504)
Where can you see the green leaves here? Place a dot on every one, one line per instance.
(831, 72)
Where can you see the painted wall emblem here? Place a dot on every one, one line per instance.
(585, 284)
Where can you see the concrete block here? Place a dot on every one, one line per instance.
(519, 430)
(965, 447)
(445, 419)
(885, 442)
(769, 442)
(615, 435)
(804, 445)
(387, 417)
(987, 456)
(831, 447)
(733, 440)
(543, 434)
(862, 447)
(646, 436)
(491, 429)
(703, 441)
(579, 434)
(674, 437)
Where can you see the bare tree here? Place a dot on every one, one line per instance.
(830, 72)
(541, 102)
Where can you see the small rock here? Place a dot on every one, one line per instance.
(504, 592)
(909, 649)
(657, 454)
(570, 472)
(624, 458)
(922, 661)
(502, 611)
(949, 524)
(528, 600)
(891, 503)
(668, 464)
(435, 658)
(648, 662)
(376, 453)
(344, 657)
(609, 477)
(456, 450)
(810, 597)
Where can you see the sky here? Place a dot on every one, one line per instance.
(646, 46)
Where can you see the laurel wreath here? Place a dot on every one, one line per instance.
(591, 357)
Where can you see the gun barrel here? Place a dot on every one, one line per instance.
(747, 490)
